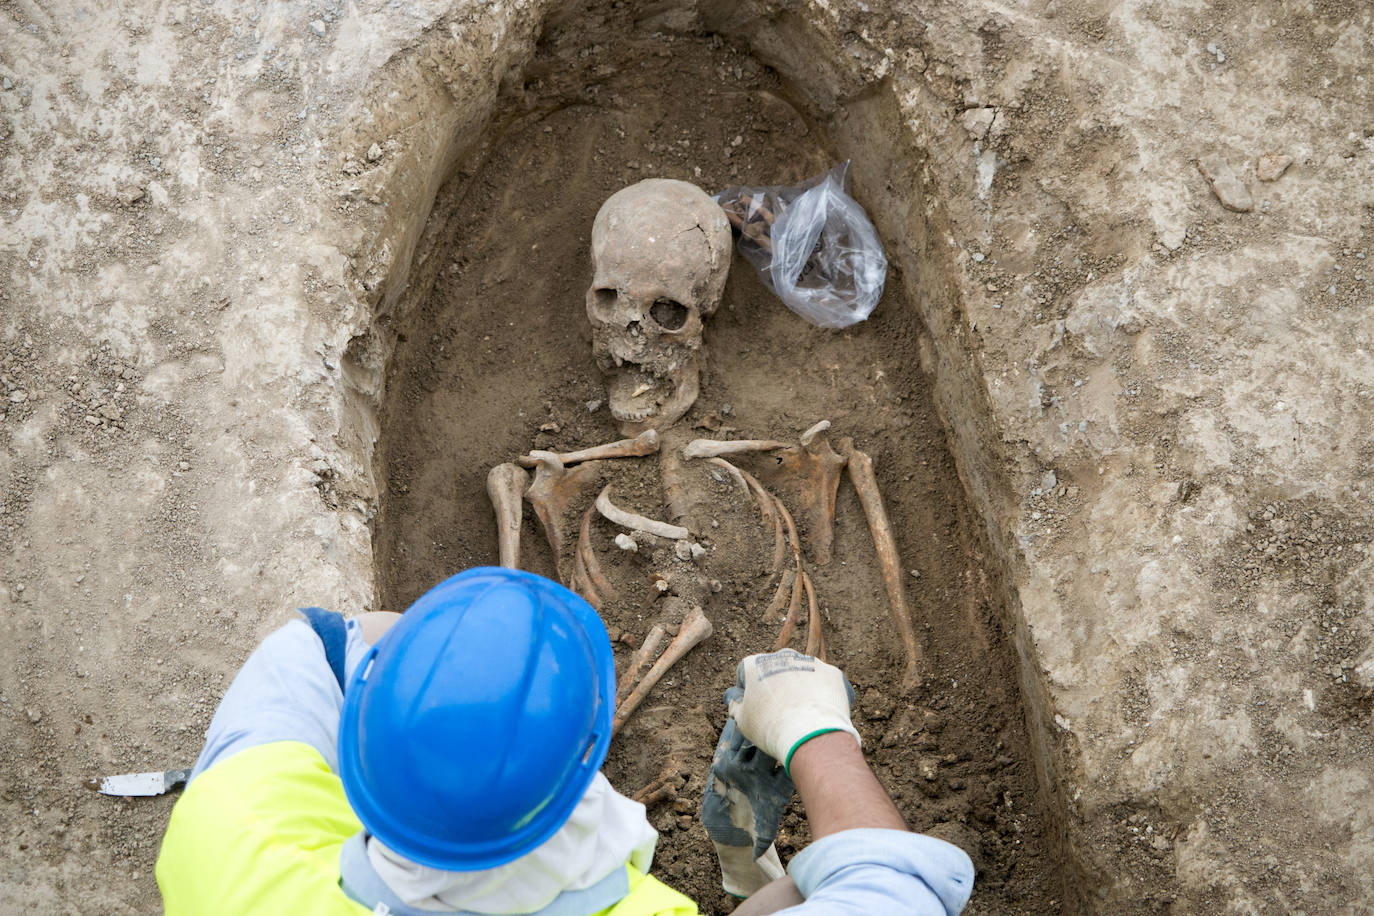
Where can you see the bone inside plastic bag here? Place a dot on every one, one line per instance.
(813, 245)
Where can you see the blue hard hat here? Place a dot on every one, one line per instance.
(473, 728)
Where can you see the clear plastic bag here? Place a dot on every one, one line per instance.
(813, 245)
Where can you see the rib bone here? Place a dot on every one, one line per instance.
(646, 443)
(506, 483)
(715, 448)
(793, 608)
(815, 639)
(766, 503)
(614, 513)
(695, 627)
(871, 498)
(587, 557)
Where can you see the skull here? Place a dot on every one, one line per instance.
(660, 254)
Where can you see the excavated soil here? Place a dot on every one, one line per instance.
(496, 360)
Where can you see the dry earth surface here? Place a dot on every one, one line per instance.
(1119, 391)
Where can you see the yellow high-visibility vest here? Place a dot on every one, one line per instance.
(261, 831)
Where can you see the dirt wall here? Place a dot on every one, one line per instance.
(1158, 398)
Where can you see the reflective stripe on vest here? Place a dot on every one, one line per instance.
(261, 831)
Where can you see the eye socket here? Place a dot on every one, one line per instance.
(605, 299)
(670, 315)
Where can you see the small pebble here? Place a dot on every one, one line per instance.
(317, 26)
(374, 152)
(183, 466)
(593, 406)
(1272, 165)
(1229, 189)
(7, 83)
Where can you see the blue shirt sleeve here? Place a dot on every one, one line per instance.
(873, 872)
(286, 691)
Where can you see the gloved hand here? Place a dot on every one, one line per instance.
(741, 808)
(783, 699)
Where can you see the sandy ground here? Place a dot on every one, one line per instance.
(1123, 416)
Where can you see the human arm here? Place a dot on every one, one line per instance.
(838, 789)
(285, 691)
(863, 860)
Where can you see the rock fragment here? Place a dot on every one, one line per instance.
(1272, 165)
(978, 121)
(1229, 189)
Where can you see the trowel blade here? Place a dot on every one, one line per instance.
(140, 784)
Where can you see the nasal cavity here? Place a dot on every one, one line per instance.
(670, 315)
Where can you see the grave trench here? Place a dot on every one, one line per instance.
(487, 355)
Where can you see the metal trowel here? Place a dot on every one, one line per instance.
(140, 784)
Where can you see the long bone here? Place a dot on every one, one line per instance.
(817, 469)
(506, 484)
(695, 627)
(871, 498)
(555, 487)
(646, 443)
(715, 448)
(611, 512)
(648, 649)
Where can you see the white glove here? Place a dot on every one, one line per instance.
(784, 699)
(742, 874)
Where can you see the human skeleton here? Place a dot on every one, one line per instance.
(661, 251)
